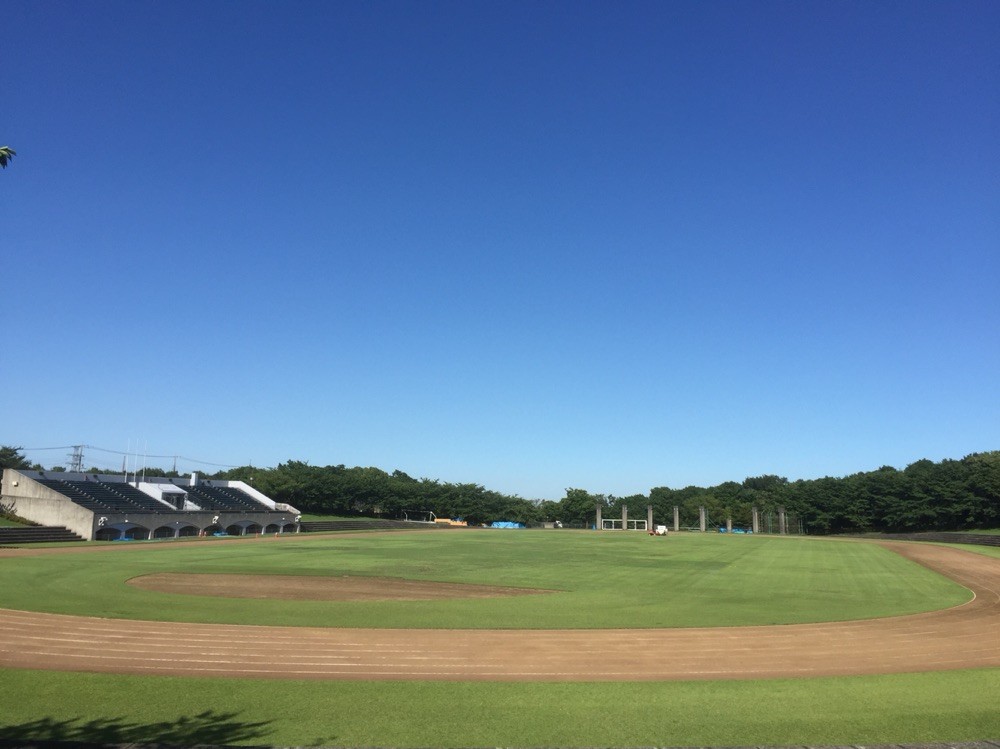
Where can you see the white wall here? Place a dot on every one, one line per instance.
(39, 504)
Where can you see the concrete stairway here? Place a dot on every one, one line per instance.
(36, 534)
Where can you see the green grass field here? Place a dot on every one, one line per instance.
(605, 579)
(597, 579)
(950, 706)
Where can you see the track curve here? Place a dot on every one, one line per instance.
(966, 636)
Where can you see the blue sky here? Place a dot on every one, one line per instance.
(532, 245)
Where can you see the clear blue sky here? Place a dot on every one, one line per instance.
(532, 245)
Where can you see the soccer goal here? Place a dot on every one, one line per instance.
(616, 525)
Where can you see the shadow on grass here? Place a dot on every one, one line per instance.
(208, 727)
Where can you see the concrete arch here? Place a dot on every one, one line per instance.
(243, 528)
(123, 532)
(175, 529)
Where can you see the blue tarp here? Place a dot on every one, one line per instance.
(506, 524)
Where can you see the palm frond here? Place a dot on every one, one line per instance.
(6, 155)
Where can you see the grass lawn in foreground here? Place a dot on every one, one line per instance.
(600, 579)
(939, 707)
(685, 579)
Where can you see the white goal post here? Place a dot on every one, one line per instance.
(615, 524)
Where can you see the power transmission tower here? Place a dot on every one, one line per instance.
(76, 459)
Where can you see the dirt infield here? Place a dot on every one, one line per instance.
(966, 636)
(300, 588)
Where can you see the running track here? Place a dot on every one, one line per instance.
(966, 636)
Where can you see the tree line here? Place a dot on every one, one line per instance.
(925, 496)
(950, 495)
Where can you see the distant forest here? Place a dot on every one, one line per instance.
(925, 496)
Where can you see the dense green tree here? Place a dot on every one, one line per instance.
(662, 499)
(688, 501)
(371, 491)
(547, 511)
(11, 457)
(950, 495)
(636, 504)
(983, 483)
(579, 507)
(7, 155)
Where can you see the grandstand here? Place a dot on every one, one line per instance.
(110, 507)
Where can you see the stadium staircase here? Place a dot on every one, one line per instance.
(362, 524)
(224, 499)
(36, 535)
(107, 498)
(99, 497)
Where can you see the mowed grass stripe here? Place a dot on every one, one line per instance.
(605, 580)
(906, 708)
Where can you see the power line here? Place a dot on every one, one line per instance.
(122, 452)
(176, 457)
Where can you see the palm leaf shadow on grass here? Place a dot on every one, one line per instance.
(207, 727)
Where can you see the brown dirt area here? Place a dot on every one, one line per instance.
(962, 637)
(302, 588)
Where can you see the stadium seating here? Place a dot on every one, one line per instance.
(100, 497)
(224, 499)
(108, 507)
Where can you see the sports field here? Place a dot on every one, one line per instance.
(626, 664)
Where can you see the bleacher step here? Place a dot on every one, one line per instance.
(37, 534)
